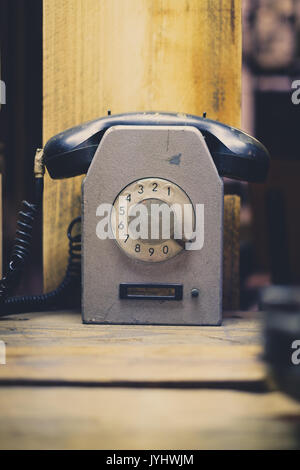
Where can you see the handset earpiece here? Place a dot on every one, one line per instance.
(236, 154)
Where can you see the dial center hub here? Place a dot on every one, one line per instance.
(153, 218)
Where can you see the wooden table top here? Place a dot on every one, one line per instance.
(66, 385)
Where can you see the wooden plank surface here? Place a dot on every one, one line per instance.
(76, 418)
(131, 55)
(73, 386)
(56, 346)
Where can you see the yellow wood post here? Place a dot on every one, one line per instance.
(131, 55)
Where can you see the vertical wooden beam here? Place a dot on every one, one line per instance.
(131, 55)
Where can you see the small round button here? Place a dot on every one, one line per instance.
(195, 293)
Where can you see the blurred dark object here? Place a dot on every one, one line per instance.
(277, 123)
(282, 337)
(276, 205)
(271, 51)
(272, 36)
(21, 118)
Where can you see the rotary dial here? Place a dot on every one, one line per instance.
(141, 226)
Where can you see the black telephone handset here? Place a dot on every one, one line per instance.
(70, 153)
(236, 154)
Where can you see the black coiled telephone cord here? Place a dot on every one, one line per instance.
(67, 294)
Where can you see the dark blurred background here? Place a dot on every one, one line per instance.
(271, 63)
(270, 231)
(20, 120)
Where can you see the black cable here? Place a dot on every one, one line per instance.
(22, 245)
(67, 294)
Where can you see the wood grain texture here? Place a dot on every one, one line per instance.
(78, 418)
(130, 55)
(71, 400)
(56, 346)
(231, 253)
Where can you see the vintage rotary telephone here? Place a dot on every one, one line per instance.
(142, 159)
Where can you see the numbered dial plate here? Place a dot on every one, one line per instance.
(150, 244)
